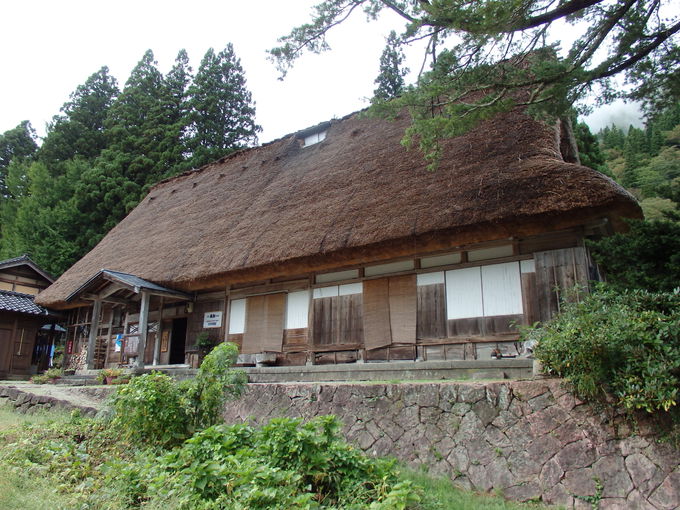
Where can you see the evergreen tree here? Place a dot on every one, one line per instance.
(176, 105)
(140, 126)
(635, 153)
(612, 137)
(79, 130)
(15, 145)
(390, 81)
(222, 109)
(589, 148)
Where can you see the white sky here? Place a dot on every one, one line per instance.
(50, 47)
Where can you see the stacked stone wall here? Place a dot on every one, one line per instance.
(530, 440)
(28, 402)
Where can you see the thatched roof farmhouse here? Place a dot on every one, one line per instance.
(336, 244)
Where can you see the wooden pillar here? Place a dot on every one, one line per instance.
(159, 334)
(108, 337)
(94, 328)
(143, 326)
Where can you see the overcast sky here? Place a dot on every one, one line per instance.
(50, 47)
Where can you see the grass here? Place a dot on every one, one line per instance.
(22, 490)
(440, 494)
(9, 419)
(18, 489)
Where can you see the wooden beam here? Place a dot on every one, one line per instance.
(95, 297)
(143, 326)
(159, 334)
(110, 289)
(92, 339)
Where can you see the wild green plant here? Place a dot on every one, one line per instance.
(151, 409)
(626, 344)
(155, 409)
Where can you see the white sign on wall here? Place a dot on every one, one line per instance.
(212, 320)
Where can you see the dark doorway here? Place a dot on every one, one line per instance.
(178, 341)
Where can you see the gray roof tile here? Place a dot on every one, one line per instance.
(21, 303)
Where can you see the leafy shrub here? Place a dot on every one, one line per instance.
(54, 373)
(110, 373)
(626, 343)
(646, 257)
(151, 409)
(285, 464)
(154, 409)
(40, 379)
(215, 382)
(204, 342)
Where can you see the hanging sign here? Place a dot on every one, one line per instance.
(212, 320)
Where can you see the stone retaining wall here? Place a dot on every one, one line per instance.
(529, 440)
(27, 402)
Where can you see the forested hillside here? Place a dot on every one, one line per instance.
(647, 161)
(107, 146)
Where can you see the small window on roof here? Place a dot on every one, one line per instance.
(315, 138)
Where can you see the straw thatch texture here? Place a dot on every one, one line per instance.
(357, 190)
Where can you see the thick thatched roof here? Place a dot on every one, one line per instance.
(282, 207)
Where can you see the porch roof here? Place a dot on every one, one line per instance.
(109, 285)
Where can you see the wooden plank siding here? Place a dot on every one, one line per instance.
(338, 320)
(455, 313)
(558, 273)
(431, 311)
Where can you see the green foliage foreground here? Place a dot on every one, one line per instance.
(162, 448)
(285, 464)
(154, 409)
(147, 455)
(626, 344)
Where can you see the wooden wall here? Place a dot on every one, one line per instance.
(17, 339)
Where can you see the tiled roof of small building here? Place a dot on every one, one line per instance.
(20, 303)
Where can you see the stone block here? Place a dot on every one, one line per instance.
(616, 481)
(667, 495)
(576, 455)
(580, 482)
(641, 470)
(485, 411)
(523, 492)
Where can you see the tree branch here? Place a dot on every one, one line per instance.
(550, 16)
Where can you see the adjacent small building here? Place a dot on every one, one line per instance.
(337, 245)
(25, 347)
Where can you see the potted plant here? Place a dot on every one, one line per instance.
(204, 343)
(107, 375)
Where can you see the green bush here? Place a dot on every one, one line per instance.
(646, 257)
(285, 464)
(623, 343)
(215, 383)
(151, 409)
(40, 379)
(154, 409)
(54, 373)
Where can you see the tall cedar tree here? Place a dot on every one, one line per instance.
(222, 109)
(140, 127)
(177, 109)
(79, 130)
(589, 149)
(492, 55)
(15, 144)
(390, 81)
